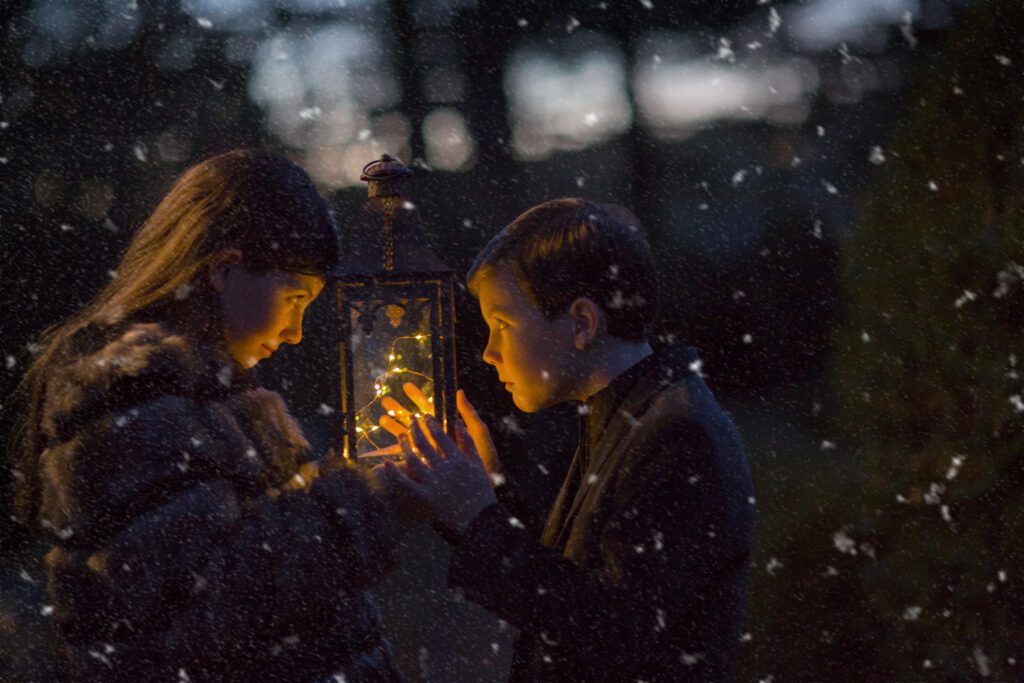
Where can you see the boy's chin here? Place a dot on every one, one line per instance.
(529, 406)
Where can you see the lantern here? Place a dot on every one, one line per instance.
(396, 316)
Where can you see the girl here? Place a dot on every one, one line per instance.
(191, 541)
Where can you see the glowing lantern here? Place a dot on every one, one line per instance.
(396, 315)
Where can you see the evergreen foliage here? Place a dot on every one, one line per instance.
(928, 365)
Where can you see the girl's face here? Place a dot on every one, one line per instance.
(262, 309)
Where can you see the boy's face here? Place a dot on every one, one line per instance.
(535, 358)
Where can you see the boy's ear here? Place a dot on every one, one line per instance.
(587, 322)
(220, 265)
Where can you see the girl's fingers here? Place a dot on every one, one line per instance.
(395, 411)
(419, 399)
(423, 445)
(393, 426)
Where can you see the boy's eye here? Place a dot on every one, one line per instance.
(500, 325)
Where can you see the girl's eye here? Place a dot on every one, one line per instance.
(295, 299)
(500, 324)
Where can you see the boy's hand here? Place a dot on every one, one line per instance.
(481, 437)
(398, 420)
(442, 481)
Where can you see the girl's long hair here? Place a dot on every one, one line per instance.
(257, 202)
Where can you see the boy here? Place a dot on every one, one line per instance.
(642, 567)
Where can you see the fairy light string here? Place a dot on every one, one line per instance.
(365, 424)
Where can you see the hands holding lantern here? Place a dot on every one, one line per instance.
(398, 420)
(441, 479)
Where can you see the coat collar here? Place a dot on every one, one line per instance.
(642, 382)
(109, 370)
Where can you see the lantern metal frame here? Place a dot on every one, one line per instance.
(389, 263)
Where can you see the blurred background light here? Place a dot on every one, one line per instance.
(567, 102)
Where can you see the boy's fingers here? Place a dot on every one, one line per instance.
(395, 476)
(443, 441)
(466, 443)
(415, 468)
(423, 445)
(420, 399)
(466, 410)
(462, 437)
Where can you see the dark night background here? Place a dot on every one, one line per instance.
(832, 190)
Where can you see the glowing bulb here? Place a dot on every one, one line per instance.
(391, 413)
(430, 400)
(391, 357)
(374, 428)
(359, 429)
(419, 337)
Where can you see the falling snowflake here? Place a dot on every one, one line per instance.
(954, 468)
(844, 543)
(967, 296)
(907, 29)
(725, 52)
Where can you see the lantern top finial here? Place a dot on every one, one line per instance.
(385, 176)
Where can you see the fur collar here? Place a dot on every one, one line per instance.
(116, 369)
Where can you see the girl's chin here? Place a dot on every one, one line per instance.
(248, 361)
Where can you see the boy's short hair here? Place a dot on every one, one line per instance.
(568, 248)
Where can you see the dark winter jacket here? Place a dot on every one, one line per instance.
(642, 569)
(191, 539)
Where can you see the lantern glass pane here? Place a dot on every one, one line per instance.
(391, 345)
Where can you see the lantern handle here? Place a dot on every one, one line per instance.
(385, 167)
